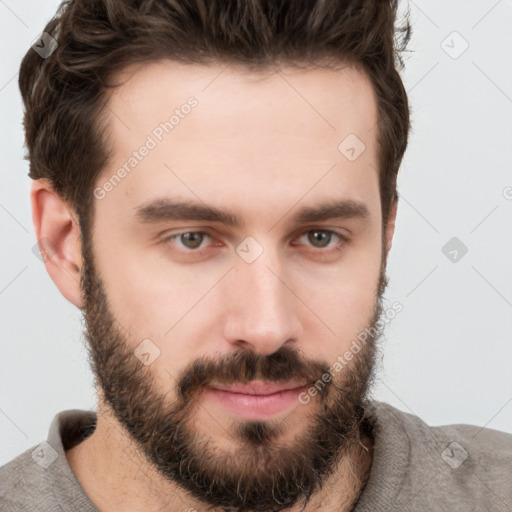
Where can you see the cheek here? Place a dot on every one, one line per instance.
(157, 300)
(342, 298)
(145, 307)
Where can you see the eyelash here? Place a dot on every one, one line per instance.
(343, 239)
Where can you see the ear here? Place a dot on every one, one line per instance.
(390, 227)
(58, 236)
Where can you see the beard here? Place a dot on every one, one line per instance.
(261, 473)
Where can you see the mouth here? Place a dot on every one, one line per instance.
(258, 388)
(257, 399)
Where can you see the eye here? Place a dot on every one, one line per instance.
(321, 238)
(189, 240)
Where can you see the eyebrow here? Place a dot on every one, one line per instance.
(166, 209)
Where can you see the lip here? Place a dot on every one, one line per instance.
(256, 400)
(258, 387)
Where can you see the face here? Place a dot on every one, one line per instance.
(242, 247)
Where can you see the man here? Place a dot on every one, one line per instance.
(215, 187)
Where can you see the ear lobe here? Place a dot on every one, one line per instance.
(58, 237)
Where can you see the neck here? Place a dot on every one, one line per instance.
(116, 476)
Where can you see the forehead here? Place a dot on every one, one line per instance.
(272, 135)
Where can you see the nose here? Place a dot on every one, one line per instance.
(262, 309)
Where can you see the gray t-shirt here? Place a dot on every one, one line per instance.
(415, 467)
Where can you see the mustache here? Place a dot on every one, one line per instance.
(244, 366)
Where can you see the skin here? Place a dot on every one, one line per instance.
(264, 146)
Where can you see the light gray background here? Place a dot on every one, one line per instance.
(447, 355)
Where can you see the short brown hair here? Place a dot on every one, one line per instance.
(65, 94)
